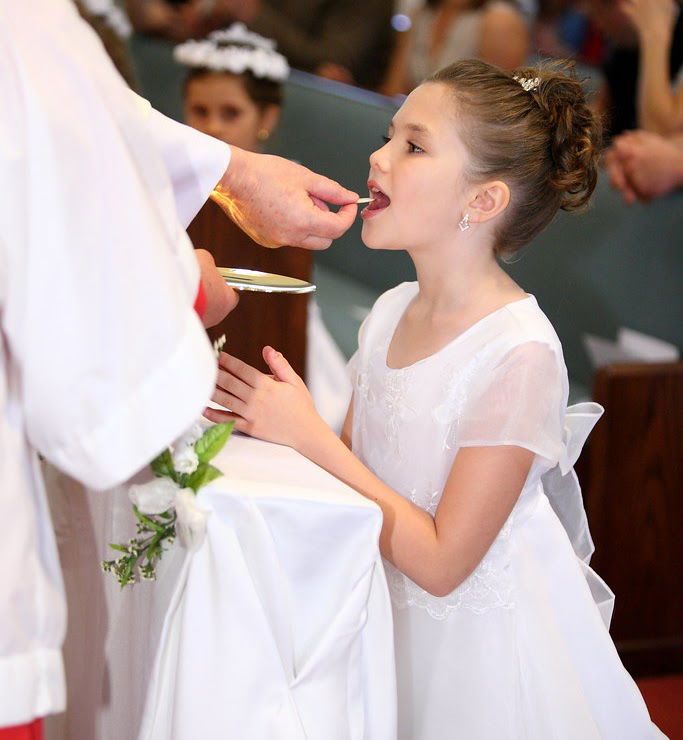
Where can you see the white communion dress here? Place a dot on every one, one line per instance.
(521, 649)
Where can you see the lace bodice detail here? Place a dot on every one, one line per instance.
(488, 587)
(409, 424)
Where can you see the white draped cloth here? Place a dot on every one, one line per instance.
(278, 626)
(521, 648)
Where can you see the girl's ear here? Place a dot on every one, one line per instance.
(489, 200)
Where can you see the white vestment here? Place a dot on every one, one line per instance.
(103, 360)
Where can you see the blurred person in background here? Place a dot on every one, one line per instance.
(564, 30)
(659, 101)
(234, 87)
(343, 40)
(644, 165)
(444, 31)
(617, 98)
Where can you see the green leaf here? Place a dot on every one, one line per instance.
(148, 521)
(162, 465)
(212, 441)
(118, 548)
(204, 474)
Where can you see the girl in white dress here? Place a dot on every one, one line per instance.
(459, 427)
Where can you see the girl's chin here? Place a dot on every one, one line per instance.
(376, 238)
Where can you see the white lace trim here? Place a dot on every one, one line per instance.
(488, 587)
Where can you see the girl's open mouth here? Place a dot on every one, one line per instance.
(380, 201)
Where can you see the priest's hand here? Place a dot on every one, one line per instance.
(276, 408)
(220, 299)
(278, 202)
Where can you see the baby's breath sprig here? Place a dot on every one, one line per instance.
(177, 469)
(218, 345)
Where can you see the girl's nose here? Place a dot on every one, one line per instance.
(378, 159)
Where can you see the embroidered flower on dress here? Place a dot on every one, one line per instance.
(488, 587)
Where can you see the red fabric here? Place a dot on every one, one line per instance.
(199, 307)
(32, 731)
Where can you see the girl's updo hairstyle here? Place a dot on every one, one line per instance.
(536, 133)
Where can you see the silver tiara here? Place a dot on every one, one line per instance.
(235, 50)
(528, 83)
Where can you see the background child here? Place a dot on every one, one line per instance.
(234, 88)
(459, 428)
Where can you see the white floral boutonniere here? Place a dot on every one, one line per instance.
(166, 506)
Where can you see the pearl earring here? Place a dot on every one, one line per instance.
(464, 223)
(263, 134)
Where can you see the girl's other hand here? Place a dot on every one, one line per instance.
(276, 408)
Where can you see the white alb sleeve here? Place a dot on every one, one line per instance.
(195, 162)
(107, 358)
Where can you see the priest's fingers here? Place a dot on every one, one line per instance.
(315, 243)
(331, 225)
(220, 299)
(320, 203)
(280, 202)
(330, 191)
(250, 375)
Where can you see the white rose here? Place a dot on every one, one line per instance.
(185, 459)
(154, 497)
(190, 524)
(192, 434)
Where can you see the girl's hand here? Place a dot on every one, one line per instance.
(276, 408)
(651, 18)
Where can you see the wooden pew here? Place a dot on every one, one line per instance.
(632, 479)
(260, 318)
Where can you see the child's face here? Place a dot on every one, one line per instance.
(420, 171)
(217, 104)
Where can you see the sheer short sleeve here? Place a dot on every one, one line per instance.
(519, 401)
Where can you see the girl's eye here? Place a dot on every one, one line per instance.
(414, 148)
(386, 139)
(228, 113)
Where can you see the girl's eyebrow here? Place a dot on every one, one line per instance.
(416, 128)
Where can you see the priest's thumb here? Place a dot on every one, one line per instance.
(279, 366)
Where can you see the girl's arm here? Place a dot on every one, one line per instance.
(438, 552)
(347, 428)
(660, 109)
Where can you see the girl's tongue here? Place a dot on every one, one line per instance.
(381, 200)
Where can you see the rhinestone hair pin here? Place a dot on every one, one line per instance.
(528, 83)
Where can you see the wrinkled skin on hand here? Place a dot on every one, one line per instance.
(278, 202)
